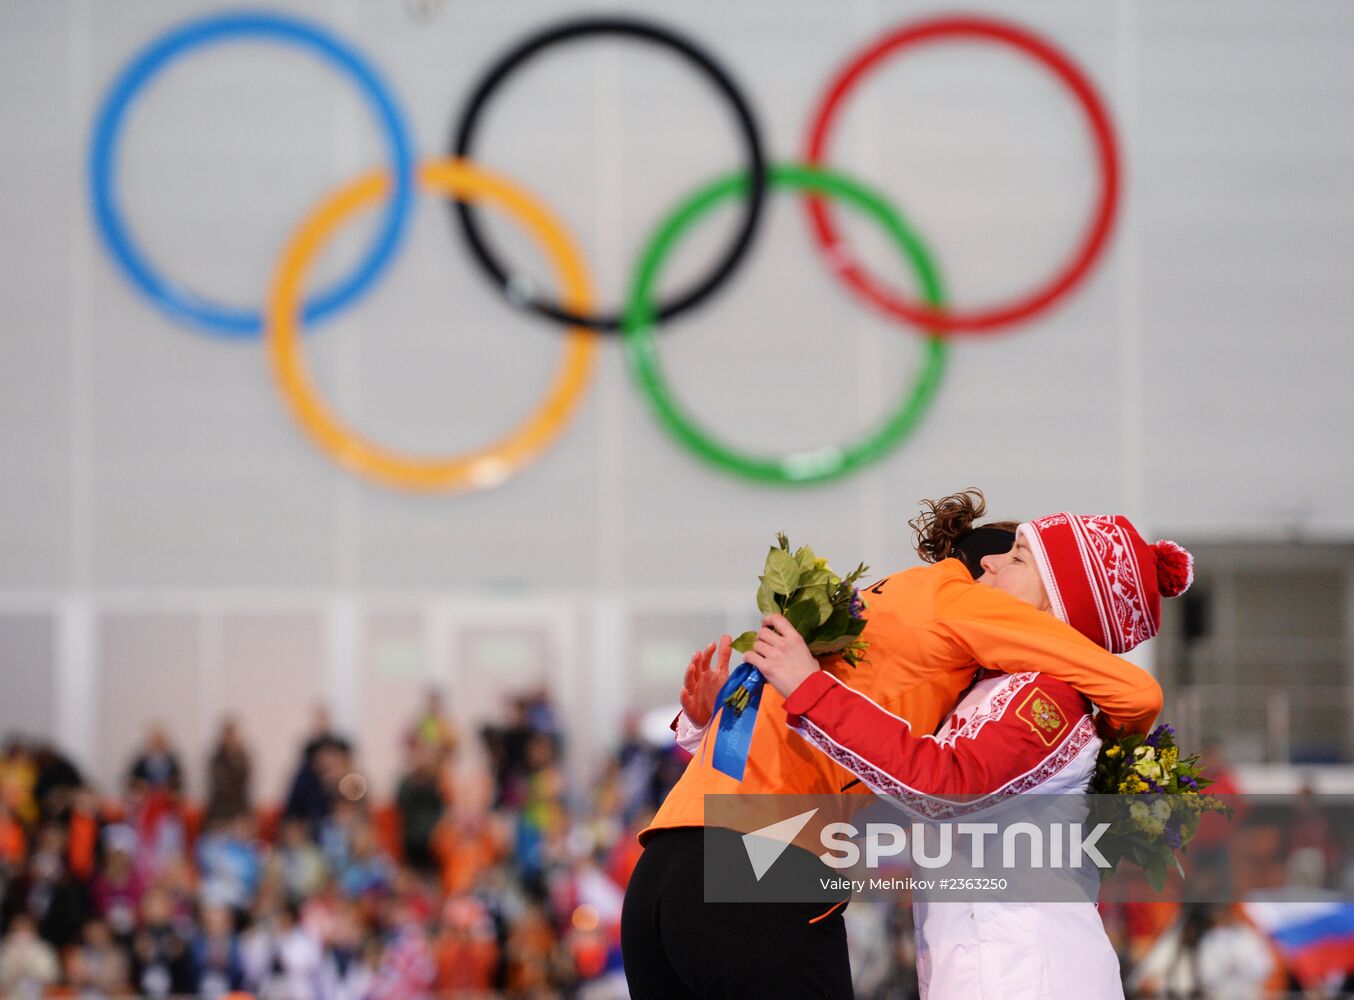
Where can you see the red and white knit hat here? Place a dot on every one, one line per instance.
(1103, 579)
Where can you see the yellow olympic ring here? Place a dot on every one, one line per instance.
(479, 469)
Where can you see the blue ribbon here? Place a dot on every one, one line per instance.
(733, 736)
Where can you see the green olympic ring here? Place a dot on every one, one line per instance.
(796, 468)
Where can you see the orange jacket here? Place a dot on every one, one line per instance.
(928, 629)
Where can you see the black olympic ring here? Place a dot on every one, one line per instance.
(467, 214)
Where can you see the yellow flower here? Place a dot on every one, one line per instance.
(1132, 785)
(1114, 751)
(1169, 757)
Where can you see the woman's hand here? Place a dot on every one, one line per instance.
(705, 676)
(781, 654)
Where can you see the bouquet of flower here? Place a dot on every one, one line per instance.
(823, 607)
(1152, 797)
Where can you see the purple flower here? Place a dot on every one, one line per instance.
(1159, 733)
(1152, 786)
(1173, 838)
(1189, 782)
(857, 605)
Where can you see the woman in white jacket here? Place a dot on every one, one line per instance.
(1009, 734)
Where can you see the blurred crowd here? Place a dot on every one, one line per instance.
(496, 879)
(473, 881)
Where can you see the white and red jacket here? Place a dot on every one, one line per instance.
(1010, 733)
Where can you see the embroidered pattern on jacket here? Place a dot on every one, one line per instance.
(988, 710)
(937, 807)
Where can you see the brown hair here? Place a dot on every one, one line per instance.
(942, 523)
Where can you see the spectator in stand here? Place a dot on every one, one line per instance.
(323, 735)
(28, 964)
(229, 862)
(542, 811)
(297, 863)
(420, 801)
(368, 870)
(636, 770)
(468, 843)
(1209, 952)
(217, 959)
(228, 773)
(507, 749)
(118, 887)
(325, 758)
(281, 957)
(531, 952)
(466, 950)
(99, 966)
(56, 782)
(407, 970)
(156, 767)
(60, 903)
(161, 961)
(433, 730)
(1311, 829)
(18, 777)
(348, 967)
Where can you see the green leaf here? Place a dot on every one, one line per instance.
(822, 647)
(805, 559)
(815, 577)
(782, 573)
(766, 600)
(803, 615)
(782, 541)
(1156, 872)
(837, 624)
(818, 595)
(744, 642)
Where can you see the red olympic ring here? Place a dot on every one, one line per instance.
(1093, 242)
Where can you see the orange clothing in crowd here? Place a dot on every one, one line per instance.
(82, 844)
(465, 963)
(531, 949)
(928, 628)
(465, 851)
(13, 843)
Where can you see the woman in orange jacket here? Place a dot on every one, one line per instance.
(928, 630)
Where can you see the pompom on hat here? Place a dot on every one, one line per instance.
(1103, 578)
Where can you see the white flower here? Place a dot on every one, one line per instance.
(1161, 809)
(1148, 769)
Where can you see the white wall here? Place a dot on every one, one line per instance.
(1196, 381)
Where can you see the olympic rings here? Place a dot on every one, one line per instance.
(487, 466)
(642, 31)
(801, 467)
(171, 297)
(460, 180)
(1092, 243)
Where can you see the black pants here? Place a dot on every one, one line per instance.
(676, 946)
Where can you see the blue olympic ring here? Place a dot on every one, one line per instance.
(173, 298)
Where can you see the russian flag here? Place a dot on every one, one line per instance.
(1316, 939)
